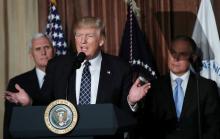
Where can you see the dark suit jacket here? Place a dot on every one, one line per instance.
(114, 83)
(160, 114)
(29, 82)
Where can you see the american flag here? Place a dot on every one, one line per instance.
(134, 47)
(55, 31)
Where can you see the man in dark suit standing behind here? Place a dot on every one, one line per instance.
(41, 52)
(171, 108)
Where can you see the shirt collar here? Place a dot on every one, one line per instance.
(40, 74)
(95, 62)
(184, 77)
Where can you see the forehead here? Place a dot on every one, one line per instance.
(86, 30)
(42, 41)
(181, 46)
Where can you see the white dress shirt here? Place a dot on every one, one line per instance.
(94, 69)
(184, 77)
(40, 76)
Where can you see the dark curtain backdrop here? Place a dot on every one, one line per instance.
(160, 20)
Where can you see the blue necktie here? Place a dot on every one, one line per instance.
(178, 96)
(85, 87)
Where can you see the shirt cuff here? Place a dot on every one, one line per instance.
(133, 107)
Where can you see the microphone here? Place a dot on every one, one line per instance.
(78, 60)
(142, 80)
(81, 57)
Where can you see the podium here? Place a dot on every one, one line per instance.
(94, 120)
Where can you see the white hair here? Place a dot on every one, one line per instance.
(37, 36)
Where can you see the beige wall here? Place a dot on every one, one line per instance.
(18, 22)
(2, 63)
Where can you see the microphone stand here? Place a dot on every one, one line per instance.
(198, 103)
(77, 60)
(197, 67)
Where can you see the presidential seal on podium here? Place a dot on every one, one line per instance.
(60, 116)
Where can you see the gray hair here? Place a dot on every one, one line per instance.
(37, 36)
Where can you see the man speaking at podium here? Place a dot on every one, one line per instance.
(102, 78)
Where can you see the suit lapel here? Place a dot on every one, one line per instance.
(104, 80)
(72, 88)
(189, 95)
(31, 84)
(67, 81)
(33, 77)
(170, 104)
(71, 83)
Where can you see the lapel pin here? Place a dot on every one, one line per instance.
(109, 72)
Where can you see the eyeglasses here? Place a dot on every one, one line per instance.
(180, 55)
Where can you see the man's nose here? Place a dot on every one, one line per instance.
(177, 57)
(43, 51)
(83, 39)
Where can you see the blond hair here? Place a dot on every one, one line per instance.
(91, 22)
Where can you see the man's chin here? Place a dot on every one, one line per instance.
(43, 65)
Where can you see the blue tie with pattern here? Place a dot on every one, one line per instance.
(85, 87)
(178, 96)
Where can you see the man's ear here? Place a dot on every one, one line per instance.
(101, 42)
(193, 58)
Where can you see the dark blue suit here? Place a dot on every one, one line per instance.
(29, 82)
